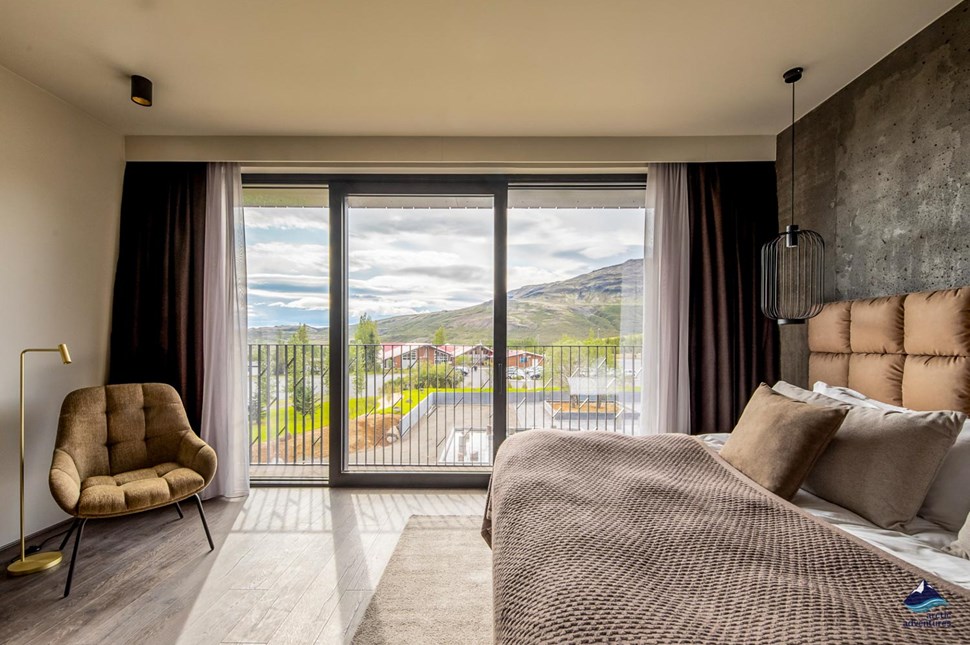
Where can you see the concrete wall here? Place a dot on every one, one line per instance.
(60, 194)
(883, 173)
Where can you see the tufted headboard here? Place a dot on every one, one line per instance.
(911, 350)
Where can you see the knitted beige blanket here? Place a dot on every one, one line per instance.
(598, 537)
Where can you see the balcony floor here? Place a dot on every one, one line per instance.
(291, 565)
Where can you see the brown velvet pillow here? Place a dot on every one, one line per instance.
(862, 467)
(778, 439)
(882, 463)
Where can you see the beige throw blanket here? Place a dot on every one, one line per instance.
(599, 537)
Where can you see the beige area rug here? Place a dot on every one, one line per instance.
(437, 588)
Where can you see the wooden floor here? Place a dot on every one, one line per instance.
(291, 565)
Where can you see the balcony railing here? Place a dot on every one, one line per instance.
(418, 406)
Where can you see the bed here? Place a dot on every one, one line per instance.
(608, 538)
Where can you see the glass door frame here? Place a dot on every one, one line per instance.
(340, 190)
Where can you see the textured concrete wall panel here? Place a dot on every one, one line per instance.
(883, 173)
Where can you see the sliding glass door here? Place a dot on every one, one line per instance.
(418, 261)
(401, 328)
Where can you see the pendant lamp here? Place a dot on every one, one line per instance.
(793, 262)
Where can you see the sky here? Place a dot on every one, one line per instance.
(405, 261)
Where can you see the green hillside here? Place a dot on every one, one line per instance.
(545, 312)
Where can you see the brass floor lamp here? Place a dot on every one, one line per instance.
(42, 559)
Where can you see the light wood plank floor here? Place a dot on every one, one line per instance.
(291, 565)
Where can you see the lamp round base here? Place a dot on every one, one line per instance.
(34, 563)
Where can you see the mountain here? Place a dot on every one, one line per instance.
(576, 307)
(281, 333)
(544, 312)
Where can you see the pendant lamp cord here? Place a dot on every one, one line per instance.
(793, 153)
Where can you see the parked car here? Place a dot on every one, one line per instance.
(514, 373)
(535, 373)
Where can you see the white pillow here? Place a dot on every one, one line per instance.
(947, 502)
(850, 396)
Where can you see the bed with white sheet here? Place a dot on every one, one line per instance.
(921, 542)
(659, 539)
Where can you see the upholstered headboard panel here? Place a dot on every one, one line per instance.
(911, 350)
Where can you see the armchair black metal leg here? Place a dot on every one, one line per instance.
(205, 525)
(77, 542)
(178, 509)
(70, 532)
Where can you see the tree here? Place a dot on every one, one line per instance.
(439, 336)
(301, 378)
(366, 335)
(425, 376)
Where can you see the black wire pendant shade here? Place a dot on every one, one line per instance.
(793, 262)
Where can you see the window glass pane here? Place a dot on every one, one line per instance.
(287, 242)
(420, 282)
(575, 308)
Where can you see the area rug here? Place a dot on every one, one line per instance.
(437, 587)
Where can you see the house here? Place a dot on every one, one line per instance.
(405, 355)
(474, 355)
(757, 210)
(524, 359)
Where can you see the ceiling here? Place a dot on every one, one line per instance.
(452, 67)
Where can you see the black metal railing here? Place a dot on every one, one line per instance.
(288, 404)
(425, 406)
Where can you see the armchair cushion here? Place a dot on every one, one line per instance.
(137, 490)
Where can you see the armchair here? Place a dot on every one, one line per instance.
(124, 449)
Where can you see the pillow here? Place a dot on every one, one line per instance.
(851, 397)
(778, 439)
(881, 463)
(960, 547)
(801, 394)
(947, 502)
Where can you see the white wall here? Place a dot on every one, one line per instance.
(60, 195)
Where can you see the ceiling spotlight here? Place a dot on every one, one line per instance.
(141, 91)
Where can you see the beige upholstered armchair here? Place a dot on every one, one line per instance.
(123, 449)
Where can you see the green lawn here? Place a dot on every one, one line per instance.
(320, 415)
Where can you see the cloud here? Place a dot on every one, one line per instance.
(284, 258)
(309, 303)
(286, 218)
(463, 273)
(391, 258)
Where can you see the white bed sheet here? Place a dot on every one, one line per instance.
(920, 543)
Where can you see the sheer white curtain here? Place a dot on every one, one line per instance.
(224, 405)
(665, 404)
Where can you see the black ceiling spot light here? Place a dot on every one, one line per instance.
(141, 91)
(792, 263)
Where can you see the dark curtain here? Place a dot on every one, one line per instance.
(733, 210)
(156, 323)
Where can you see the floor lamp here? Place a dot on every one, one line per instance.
(42, 559)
